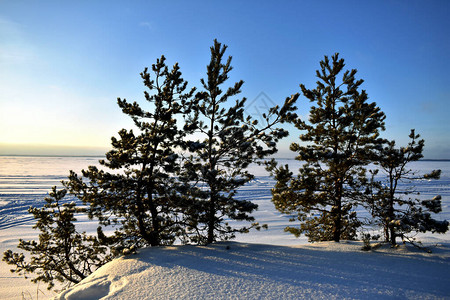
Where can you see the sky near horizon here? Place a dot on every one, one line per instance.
(64, 63)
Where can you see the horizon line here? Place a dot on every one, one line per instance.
(96, 155)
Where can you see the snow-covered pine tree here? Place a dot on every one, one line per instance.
(338, 141)
(393, 201)
(61, 253)
(140, 192)
(228, 142)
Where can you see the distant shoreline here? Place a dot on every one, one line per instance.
(431, 159)
(94, 156)
(49, 155)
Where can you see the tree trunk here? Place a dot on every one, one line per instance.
(393, 236)
(154, 234)
(386, 233)
(337, 224)
(337, 230)
(211, 218)
(391, 216)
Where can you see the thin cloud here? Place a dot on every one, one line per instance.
(13, 46)
(146, 25)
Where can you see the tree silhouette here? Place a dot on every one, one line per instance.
(392, 199)
(229, 142)
(339, 139)
(140, 194)
(61, 253)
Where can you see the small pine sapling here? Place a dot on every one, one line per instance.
(61, 253)
(393, 201)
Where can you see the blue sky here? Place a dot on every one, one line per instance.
(63, 64)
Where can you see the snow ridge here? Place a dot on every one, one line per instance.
(232, 270)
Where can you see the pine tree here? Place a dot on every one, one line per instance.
(229, 143)
(140, 192)
(338, 141)
(392, 202)
(61, 253)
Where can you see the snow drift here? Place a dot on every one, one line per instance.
(231, 270)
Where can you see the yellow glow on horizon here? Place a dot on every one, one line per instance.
(36, 149)
(48, 129)
(50, 117)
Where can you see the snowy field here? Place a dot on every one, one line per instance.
(266, 264)
(258, 271)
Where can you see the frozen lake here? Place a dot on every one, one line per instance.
(25, 181)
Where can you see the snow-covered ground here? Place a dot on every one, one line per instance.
(268, 264)
(232, 270)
